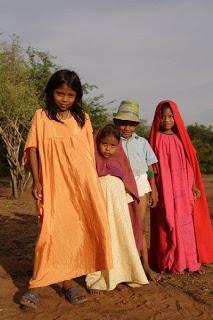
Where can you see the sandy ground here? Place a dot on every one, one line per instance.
(185, 296)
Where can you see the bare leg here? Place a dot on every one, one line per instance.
(151, 275)
(67, 284)
(30, 299)
(72, 294)
(95, 292)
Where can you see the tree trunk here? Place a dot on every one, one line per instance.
(17, 172)
(18, 183)
(14, 185)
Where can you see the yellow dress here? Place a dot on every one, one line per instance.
(127, 266)
(74, 238)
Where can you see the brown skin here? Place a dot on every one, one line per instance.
(167, 121)
(167, 126)
(127, 128)
(153, 195)
(196, 191)
(64, 97)
(34, 165)
(108, 146)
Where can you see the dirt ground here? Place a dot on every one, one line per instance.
(185, 296)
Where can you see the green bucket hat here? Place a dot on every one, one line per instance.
(128, 110)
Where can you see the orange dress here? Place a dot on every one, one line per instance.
(74, 237)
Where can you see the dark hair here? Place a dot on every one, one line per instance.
(119, 122)
(71, 79)
(165, 106)
(108, 130)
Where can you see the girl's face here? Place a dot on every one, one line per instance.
(64, 97)
(167, 120)
(108, 146)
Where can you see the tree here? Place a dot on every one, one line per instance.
(23, 77)
(41, 68)
(143, 129)
(202, 138)
(95, 108)
(4, 170)
(17, 103)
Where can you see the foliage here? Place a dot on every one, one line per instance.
(41, 68)
(202, 138)
(23, 77)
(17, 103)
(4, 170)
(143, 129)
(95, 108)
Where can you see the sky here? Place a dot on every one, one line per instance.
(143, 50)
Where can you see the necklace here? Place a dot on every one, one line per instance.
(68, 115)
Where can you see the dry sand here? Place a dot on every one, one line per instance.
(185, 296)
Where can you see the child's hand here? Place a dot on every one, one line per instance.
(196, 191)
(37, 191)
(153, 199)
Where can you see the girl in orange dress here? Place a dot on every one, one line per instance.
(74, 236)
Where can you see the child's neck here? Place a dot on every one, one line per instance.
(104, 157)
(63, 115)
(169, 132)
(127, 138)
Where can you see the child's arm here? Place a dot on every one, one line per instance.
(34, 165)
(153, 197)
(151, 159)
(196, 191)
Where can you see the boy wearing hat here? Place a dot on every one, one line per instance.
(141, 158)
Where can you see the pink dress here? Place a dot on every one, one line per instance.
(173, 243)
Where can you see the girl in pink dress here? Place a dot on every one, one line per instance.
(181, 231)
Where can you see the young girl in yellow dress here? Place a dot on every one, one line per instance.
(119, 189)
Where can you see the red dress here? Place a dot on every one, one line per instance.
(160, 225)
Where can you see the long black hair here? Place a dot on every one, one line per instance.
(71, 79)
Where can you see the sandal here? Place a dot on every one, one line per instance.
(73, 296)
(29, 299)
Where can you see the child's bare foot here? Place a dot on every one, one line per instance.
(29, 299)
(151, 275)
(200, 271)
(181, 272)
(95, 292)
(74, 296)
(120, 287)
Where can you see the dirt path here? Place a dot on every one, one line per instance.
(187, 296)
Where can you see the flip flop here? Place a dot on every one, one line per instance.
(73, 296)
(29, 299)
